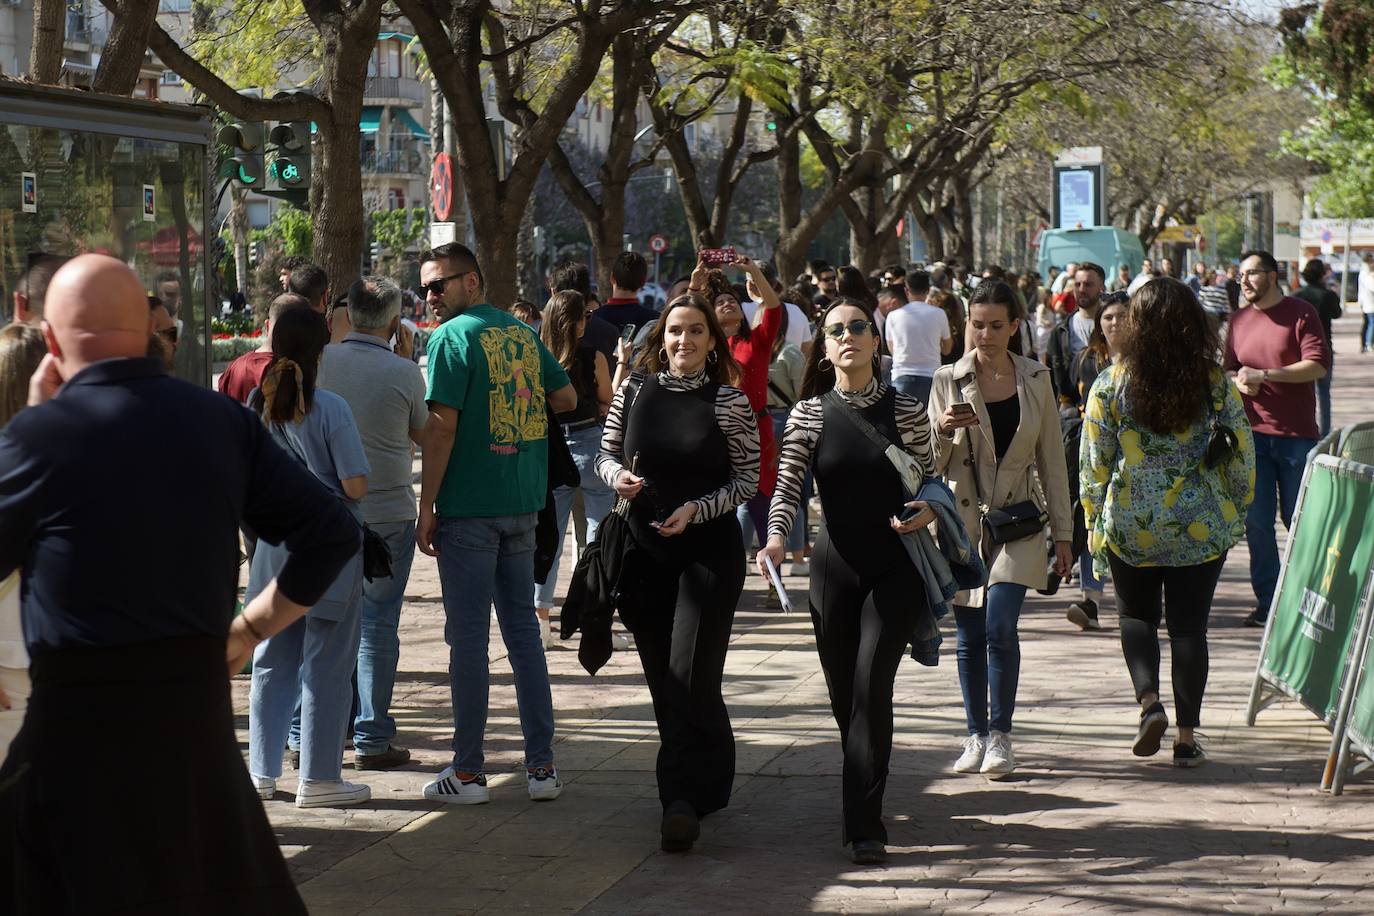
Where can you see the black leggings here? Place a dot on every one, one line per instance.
(682, 635)
(863, 625)
(1188, 594)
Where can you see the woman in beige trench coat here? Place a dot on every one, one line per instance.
(998, 444)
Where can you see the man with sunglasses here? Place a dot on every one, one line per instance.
(484, 479)
(165, 334)
(1275, 350)
(827, 285)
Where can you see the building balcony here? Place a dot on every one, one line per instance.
(408, 163)
(393, 90)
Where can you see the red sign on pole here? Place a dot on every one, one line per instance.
(441, 186)
(658, 244)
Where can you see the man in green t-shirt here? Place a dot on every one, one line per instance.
(484, 478)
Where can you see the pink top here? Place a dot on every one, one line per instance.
(1271, 339)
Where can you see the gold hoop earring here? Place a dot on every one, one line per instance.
(823, 368)
(713, 357)
(663, 354)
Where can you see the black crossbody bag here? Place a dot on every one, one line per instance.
(1005, 524)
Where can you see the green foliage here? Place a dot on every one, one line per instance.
(252, 43)
(395, 232)
(289, 231)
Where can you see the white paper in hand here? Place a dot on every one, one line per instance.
(777, 584)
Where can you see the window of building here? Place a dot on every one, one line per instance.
(395, 199)
(393, 59)
(259, 214)
(170, 78)
(598, 112)
(175, 6)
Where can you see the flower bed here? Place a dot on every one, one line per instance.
(226, 348)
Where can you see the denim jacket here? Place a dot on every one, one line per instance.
(947, 566)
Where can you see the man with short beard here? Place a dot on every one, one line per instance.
(1275, 351)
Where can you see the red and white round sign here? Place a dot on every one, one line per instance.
(441, 185)
(658, 244)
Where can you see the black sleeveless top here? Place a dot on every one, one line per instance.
(860, 489)
(583, 376)
(683, 455)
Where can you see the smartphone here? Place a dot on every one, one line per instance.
(715, 257)
(908, 513)
(627, 333)
(962, 408)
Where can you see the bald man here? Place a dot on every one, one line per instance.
(127, 617)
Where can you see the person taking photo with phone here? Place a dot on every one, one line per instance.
(752, 348)
(998, 423)
(682, 446)
(865, 592)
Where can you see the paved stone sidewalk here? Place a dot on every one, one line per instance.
(1082, 825)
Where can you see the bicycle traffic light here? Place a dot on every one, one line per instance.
(290, 168)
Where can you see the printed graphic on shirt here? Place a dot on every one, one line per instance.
(516, 399)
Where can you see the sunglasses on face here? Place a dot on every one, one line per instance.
(828, 278)
(436, 287)
(171, 335)
(856, 328)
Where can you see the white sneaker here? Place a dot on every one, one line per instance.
(544, 783)
(620, 641)
(266, 786)
(545, 633)
(972, 757)
(999, 760)
(451, 790)
(329, 793)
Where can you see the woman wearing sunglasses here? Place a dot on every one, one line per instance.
(865, 593)
(998, 424)
(683, 447)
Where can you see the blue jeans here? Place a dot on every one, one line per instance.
(1324, 397)
(312, 659)
(380, 647)
(989, 654)
(484, 561)
(1086, 580)
(597, 500)
(1279, 463)
(1367, 332)
(917, 386)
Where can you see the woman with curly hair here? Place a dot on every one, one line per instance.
(1162, 507)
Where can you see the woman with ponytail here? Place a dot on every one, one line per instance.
(312, 660)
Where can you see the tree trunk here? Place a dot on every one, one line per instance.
(122, 58)
(238, 228)
(524, 256)
(49, 34)
(337, 216)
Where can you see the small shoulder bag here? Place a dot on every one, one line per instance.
(1005, 524)
(1223, 441)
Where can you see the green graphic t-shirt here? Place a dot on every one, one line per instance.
(494, 370)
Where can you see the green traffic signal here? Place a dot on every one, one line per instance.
(245, 177)
(244, 139)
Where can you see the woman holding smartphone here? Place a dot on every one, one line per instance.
(752, 348)
(998, 424)
(682, 446)
(865, 592)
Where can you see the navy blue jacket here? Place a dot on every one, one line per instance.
(121, 499)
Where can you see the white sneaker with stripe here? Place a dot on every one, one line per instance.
(451, 790)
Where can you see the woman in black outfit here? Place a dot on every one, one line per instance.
(865, 593)
(685, 452)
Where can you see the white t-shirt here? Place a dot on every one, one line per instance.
(1080, 330)
(798, 328)
(913, 333)
(1365, 287)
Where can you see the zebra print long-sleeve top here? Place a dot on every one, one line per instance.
(803, 432)
(737, 422)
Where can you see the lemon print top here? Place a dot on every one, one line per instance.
(1146, 496)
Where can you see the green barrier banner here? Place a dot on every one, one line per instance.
(1319, 600)
(1360, 726)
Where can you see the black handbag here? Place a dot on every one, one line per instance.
(1223, 441)
(376, 556)
(1004, 524)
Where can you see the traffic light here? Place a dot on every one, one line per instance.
(290, 168)
(244, 139)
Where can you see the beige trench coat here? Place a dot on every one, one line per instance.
(1036, 451)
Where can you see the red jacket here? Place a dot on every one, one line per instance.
(754, 357)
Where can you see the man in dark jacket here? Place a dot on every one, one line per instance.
(1327, 302)
(126, 614)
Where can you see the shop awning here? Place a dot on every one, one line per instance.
(371, 119)
(383, 36)
(401, 118)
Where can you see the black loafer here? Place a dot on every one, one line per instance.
(1153, 722)
(388, 759)
(680, 827)
(868, 852)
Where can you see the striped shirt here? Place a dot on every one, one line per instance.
(736, 420)
(803, 432)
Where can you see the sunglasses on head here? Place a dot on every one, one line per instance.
(436, 287)
(856, 328)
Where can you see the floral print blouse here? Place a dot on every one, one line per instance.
(1146, 496)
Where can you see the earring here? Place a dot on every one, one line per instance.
(713, 357)
(820, 364)
(663, 354)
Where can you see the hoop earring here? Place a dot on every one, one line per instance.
(663, 355)
(824, 359)
(713, 357)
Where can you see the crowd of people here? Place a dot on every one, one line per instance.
(965, 440)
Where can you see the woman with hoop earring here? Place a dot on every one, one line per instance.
(681, 445)
(866, 594)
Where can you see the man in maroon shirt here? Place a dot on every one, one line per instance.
(1275, 350)
(243, 375)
